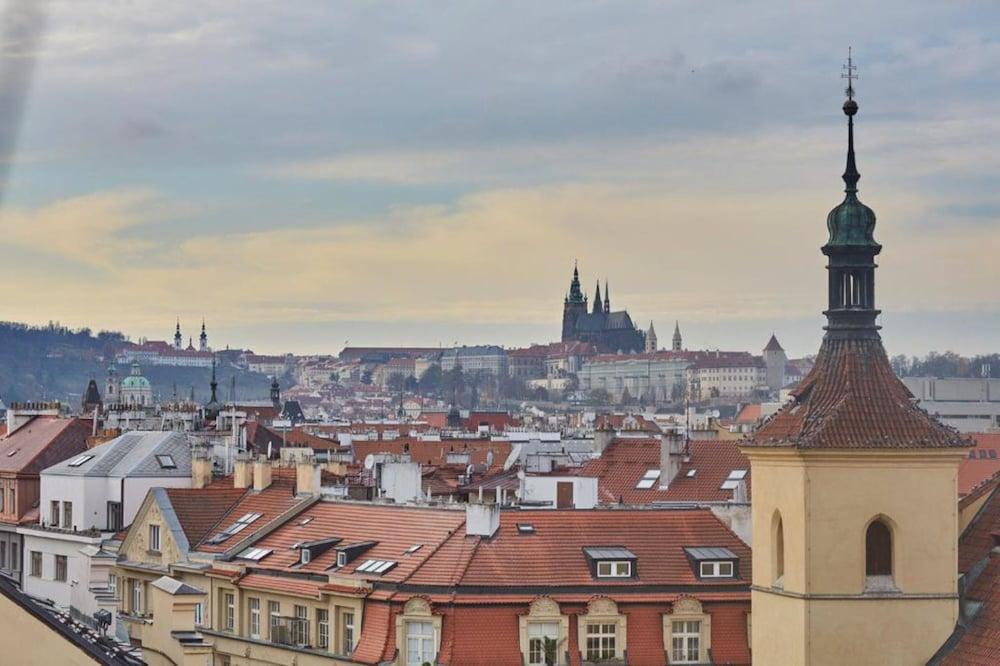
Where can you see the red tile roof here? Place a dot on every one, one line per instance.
(625, 461)
(749, 414)
(976, 540)
(199, 510)
(42, 442)
(978, 644)
(436, 452)
(376, 635)
(852, 399)
(982, 463)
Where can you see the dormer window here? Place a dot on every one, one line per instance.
(341, 558)
(713, 562)
(611, 561)
(305, 555)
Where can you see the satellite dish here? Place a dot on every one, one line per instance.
(370, 461)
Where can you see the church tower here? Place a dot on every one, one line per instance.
(854, 487)
(598, 304)
(574, 306)
(203, 338)
(650, 336)
(677, 343)
(178, 338)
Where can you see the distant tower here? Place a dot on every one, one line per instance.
(91, 398)
(112, 386)
(598, 305)
(650, 335)
(574, 306)
(677, 342)
(275, 392)
(607, 297)
(775, 360)
(203, 338)
(212, 407)
(178, 339)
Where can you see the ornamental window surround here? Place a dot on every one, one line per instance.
(418, 633)
(544, 619)
(602, 631)
(687, 632)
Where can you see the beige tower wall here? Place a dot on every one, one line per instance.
(820, 612)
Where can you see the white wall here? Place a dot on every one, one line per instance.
(543, 489)
(90, 496)
(51, 544)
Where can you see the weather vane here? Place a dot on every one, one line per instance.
(850, 73)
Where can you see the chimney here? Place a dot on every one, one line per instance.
(671, 457)
(482, 519)
(243, 470)
(20, 413)
(602, 438)
(201, 467)
(307, 476)
(261, 473)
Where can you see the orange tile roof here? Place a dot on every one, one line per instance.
(42, 442)
(296, 586)
(852, 399)
(978, 643)
(625, 461)
(749, 414)
(378, 628)
(199, 510)
(436, 453)
(976, 539)
(982, 463)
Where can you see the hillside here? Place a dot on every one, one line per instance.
(55, 363)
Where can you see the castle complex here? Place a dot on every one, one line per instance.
(608, 331)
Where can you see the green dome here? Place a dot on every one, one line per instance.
(851, 223)
(135, 382)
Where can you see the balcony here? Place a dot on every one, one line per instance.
(293, 631)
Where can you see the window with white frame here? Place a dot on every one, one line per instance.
(273, 612)
(154, 538)
(322, 628)
(419, 643)
(229, 610)
(136, 597)
(113, 583)
(614, 569)
(538, 632)
(685, 641)
(648, 479)
(601, 640)
(198, 610)
(300, 630)
(347, 629)
(716, 569)
(254, 604)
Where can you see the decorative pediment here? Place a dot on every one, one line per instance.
(687, 606)
(417, 606)
(544, 606)
(602, 606)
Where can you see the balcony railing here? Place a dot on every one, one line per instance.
(290, 631)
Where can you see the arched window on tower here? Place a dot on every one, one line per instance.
(778, 551)
(878, 549)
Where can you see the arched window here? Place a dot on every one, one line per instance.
(778, 549)
(878, 550)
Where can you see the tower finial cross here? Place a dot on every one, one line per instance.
(850, 73)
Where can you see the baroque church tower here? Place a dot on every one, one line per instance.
(854, 509)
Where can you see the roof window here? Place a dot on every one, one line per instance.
(76, 462)
(377, 567)
(713, 562)
(244, 521)
(733, 480)
(610, 561)
(166, 461)
(255, 554)
(648, 479)
(412, 549)
(691, 473)
(525, 528)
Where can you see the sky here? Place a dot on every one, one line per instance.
(308, 174)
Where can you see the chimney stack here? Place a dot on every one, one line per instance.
(671, 457)
(261, 473)
(307, 476)
(20, 413)
(482, 519)
(603, 437)
(201, 466)
(243, 470)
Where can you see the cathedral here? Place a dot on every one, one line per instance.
(609, 331)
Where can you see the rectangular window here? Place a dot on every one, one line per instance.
(114, 516)
(685, 641)
(136, 597)
(300, 630)
(347, 631)
(68, 515)
(612, 569)
(60, 568)
(322, 628)
(537, 633)
(254, 605)
(198, 610)
(13, 502)
(3, 554)
(419, 643)
(36, 564)
(273, 611)
(54, 513)
(15, 556)
(113, 583)
(716, 569)
(154, 538)
(601, 639)
(229, 607)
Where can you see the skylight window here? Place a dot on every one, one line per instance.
(305, 521)
(255, 554)
(691, 473)
(377, 567)
(525, 528)
(244, 521)
(414, 548)
(76, 462)
(166, 461)
(737, 474)
(729, 484)
(648, 479)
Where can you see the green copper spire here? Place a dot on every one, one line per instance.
(851, 222)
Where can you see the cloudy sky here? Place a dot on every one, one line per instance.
(306, 173)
